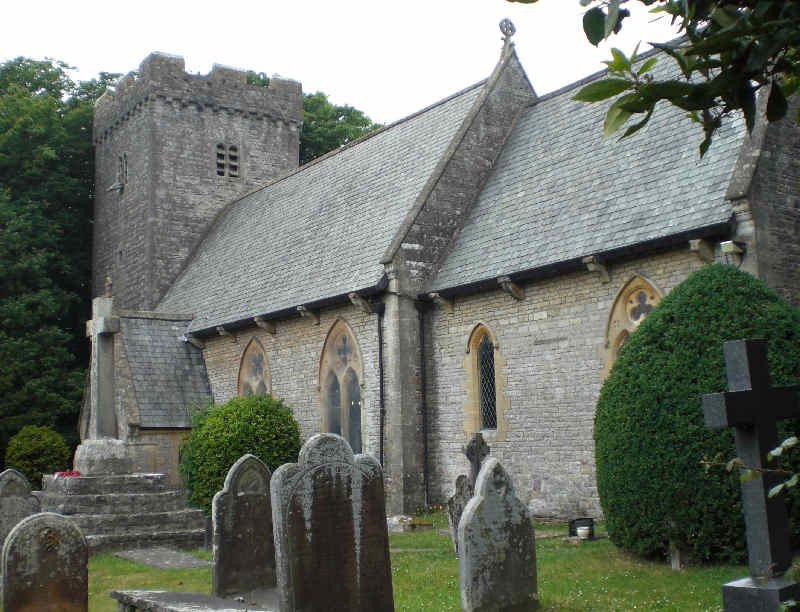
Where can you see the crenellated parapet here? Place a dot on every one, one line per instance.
(164, 77)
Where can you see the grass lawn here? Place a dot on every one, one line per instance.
(586, 576)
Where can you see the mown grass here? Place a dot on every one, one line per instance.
(572, 577)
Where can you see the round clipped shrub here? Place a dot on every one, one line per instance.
(257, 424)
(35, 451)
(649, 433)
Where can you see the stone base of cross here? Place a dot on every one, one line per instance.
(752, 406)
(758, 595)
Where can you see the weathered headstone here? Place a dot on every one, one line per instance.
(244, 552)
(753, 407)
(16, 501)
(331, 542)
(476, 451)
(497, 547)
(456, 505)
(45, 566)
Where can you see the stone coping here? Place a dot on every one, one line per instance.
(167, 601)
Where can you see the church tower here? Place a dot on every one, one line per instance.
(171, 151)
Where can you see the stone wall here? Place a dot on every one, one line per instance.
(552, 346)
(293, 356)
(775, 203)
(164, 126)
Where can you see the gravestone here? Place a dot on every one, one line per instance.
(16, 501)
(456, 505)
(45, 566)
(753, 407)
(244, 553)
(331, 541)
(497, 547)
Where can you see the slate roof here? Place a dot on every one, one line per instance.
(560, 191)
(319, 232)
(169, 375)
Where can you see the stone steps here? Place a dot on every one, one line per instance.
(103, 524)
(186, 538)
(113, 503)
(117, 512)
(82, 485)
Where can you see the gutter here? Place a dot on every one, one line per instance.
(723, 229)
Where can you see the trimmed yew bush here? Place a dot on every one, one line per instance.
(649, 433)
(257, 424)
(35, 451)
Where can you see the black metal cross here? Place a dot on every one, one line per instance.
(476, 451)
(754, 407)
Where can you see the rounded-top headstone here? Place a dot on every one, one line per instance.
(244, 552)
(16, 500)
(45, 566)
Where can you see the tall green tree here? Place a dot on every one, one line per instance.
(46, 174)
(326, 126)
(729, 51)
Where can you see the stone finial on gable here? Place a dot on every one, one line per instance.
(508, 29)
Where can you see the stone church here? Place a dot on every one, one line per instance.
(473, 267)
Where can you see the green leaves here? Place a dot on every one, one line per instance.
(602, 90)
(594, 25)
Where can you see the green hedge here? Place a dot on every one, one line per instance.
(35, 451)
(649, 433)
(258, 424)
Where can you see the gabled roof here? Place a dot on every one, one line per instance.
(560, 191)
(168, 374)
(320, 231)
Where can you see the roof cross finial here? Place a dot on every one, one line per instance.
(508, 29)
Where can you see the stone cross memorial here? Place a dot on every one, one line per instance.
(244, 553)
(497, 547)
(476, 451)
(753, 407)
(16, 501)
(45, 566)
(331, 539)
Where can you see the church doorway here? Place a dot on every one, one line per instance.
(341, 376)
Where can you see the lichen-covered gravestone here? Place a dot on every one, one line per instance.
(456, 505)
(244, 553)
(45, 566)
(331, 541)
(497, 548)
(16, 501)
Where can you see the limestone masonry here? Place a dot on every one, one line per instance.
(474, 267)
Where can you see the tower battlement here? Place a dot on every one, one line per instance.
(172, 149)
(164, 76)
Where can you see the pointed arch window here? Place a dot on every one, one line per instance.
(254, 376)
(634, 302)
(341, 375)
(486, 401)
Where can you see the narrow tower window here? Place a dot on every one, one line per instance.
(233, 160)
(227, 160)
(220, 159)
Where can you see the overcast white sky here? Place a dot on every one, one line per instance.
(388, 59)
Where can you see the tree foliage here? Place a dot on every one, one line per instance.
(258, 424)
(46, 174)
(326, 126)
(35, 451)
(729, 51)
(650, 438)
